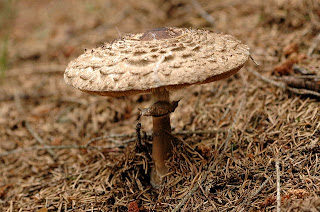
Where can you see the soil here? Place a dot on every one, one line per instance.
(242, 144)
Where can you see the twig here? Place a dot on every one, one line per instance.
(31, 70)
(29, 127)
(33, 148)
(230, 130)
(132, 135)
(253, 60)
(138, 132)
(295, 82)
(25, 96)
(109, 24)
(268, 80)
(44, 95)
(284, 86)
(260, 188)
(278, 185)
(199, 132)
(304, 71)
(196, 185)
(202, 12)
(39, 139)
(190, 193)
(11, 206)
(314, 45)
(110, 136)
(119, 33)
(253, 194)
(303, 91)
(235, 120)
(313, 77)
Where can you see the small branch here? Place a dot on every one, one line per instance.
(304, 71)
(284, 86)
(44, 95)
(296, 82)
(31, 70)
(110, 136)
(260, 188)
(253, 60)
(303, 91)
(235, 120)
(248, 200)
(138, 132)
(34, 148)
(39, 139)
(278, 185)
(266, 79)
(190, 193)
(199, 132)
(132, 135)
(29, 127)
(203, 13)
(314, 45)
(25, 96)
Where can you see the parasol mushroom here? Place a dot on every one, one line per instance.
(157, 62)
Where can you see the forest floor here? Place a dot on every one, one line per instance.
(248, 143)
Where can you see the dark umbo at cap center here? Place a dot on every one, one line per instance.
(160, 34)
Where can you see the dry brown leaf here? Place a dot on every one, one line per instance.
(285, 67)
(297, 193)
(4, 190)
(290, 48)
(267, 201)
(251, 156)
(133, 207)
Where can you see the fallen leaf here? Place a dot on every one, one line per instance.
(285, 68)
(4, 190)
(251, 156)
(267, 201)
(290, 48)
(298, 193)
(133, 207)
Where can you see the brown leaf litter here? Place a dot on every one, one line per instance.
(228, 133)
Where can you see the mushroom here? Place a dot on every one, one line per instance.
(157, 62)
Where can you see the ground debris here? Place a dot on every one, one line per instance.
(103, 164)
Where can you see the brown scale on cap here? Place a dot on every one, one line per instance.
(160, 33)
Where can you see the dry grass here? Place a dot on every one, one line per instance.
(230, 134)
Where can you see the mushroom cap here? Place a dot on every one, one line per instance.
(169, 58)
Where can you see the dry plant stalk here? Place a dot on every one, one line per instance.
(295, 82)
(278, 185)
(29, 128)
(284, 86)
(204, 14)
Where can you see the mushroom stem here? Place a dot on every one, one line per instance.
(162, 146)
